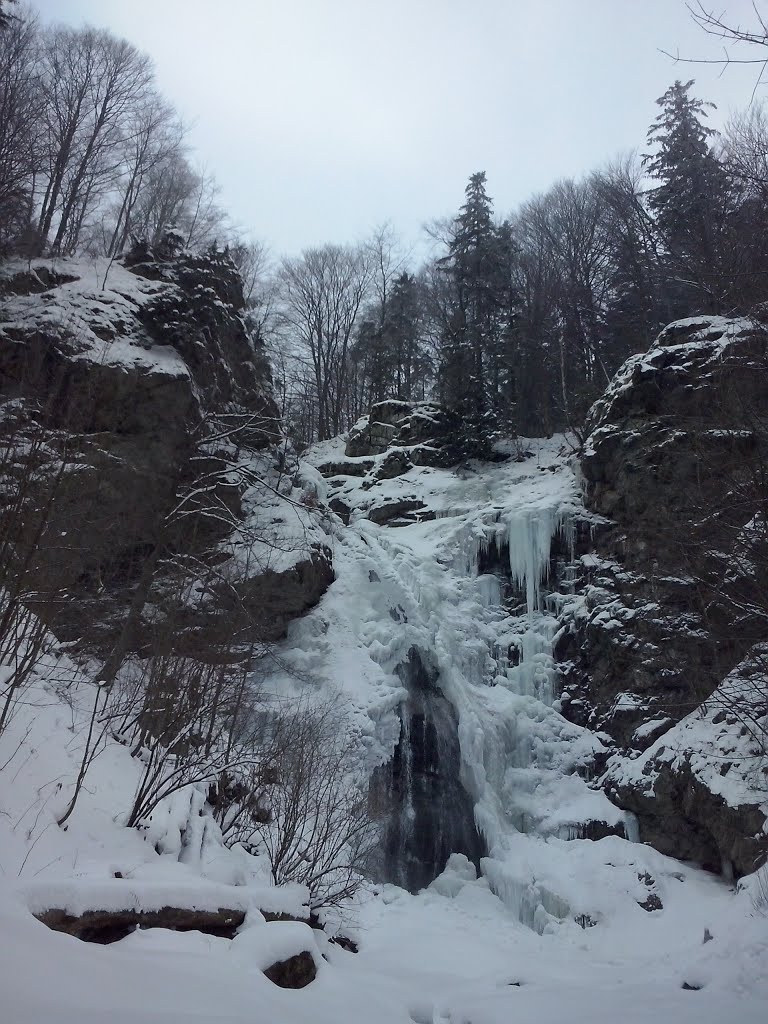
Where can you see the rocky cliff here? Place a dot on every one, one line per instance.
(156, 507)
(142, 448)
(674, 606)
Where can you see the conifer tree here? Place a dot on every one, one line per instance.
(402, 332)
(690, 201)
(472, 348)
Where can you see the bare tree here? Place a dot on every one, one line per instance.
(175, 195)
(91, 82)
(153, 135)
(252, 259)
(20, 112)
(563, 272)
(5, 15)
(321, 295)
(743, 153)
(32, 466)
(319, 831)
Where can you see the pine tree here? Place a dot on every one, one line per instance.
(473, 372)
(402, 331)
(690, 203)
(390, 349)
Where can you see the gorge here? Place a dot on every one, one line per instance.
(544, 697)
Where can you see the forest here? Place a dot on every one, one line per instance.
(517, 319)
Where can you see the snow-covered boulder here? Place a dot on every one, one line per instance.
(427, 433)
(701, 790)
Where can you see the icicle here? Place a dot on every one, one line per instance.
(529, 536)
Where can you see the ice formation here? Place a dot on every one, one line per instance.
(476, 589)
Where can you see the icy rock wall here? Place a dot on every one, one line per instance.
(430, 814)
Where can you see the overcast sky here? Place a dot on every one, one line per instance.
(323, 118)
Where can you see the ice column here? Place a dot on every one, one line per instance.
(529, 537)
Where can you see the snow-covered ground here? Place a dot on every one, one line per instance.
(554, 928)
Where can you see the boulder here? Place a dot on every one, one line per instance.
(394, 463)
(105, 926)
(399, 509)
(295, 972)
(424, 427)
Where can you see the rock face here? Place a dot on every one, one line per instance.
(415, 433)
(700, 792)
(138, 411)
(672, 596)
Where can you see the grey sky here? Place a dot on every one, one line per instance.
(323, 118)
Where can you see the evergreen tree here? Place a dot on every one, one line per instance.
(402, 332)
(473, 355)
(390, 350)
(690, 203)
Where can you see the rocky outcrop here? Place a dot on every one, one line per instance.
(700, 792)
(671, 594)
(414, 433)
(386, 446)
(667, 465)
(137, 409)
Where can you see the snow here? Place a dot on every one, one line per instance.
(709, 337)
(723, 742)
(452, 954)
(97, 314)
(551, 930)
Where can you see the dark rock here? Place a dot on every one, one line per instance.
(399, 508)
(666, 442)
(341, 508)
(596, 830)
(105, 926)
(295, 972)
(678, 430)
(682, 817)
(346, 467)
(651, 903)
(33, 280)
(121, 436)
(395, 463)
(428, 431)
(271, 600)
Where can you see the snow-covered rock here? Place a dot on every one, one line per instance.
(147, 403)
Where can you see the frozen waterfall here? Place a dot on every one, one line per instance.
(441, 633)
(428, 812)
